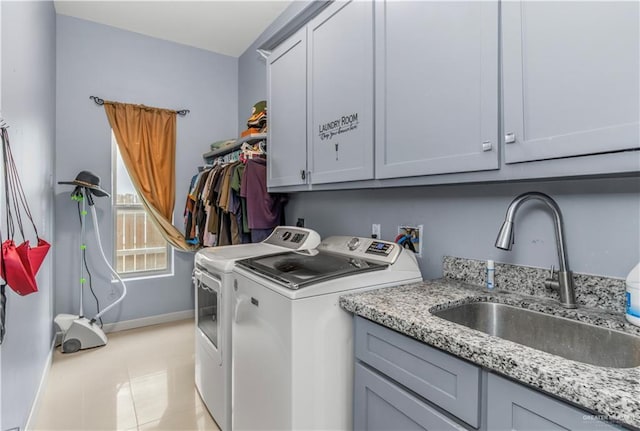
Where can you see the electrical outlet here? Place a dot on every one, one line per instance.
(375, 231)
(410, 237)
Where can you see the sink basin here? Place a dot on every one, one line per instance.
(568, 338)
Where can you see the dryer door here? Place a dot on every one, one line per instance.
(209, 304)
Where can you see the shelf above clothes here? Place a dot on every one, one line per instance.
(236, 146)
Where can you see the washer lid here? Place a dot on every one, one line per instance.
(222, 259)
(295, 270)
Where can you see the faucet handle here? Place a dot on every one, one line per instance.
(552, 282)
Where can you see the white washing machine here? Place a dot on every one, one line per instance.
(213, 304)
(292, 343)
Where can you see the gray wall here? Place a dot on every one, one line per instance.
(98, 60)
(602, 216)
(28, 105)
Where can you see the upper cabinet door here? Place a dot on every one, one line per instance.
(341, 93)
(287, 102)
(436, 87)
(571, 74)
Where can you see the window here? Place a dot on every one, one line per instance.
(140, 250)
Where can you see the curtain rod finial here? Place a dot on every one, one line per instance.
(96, 99)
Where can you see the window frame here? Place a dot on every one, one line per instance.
(115, 207)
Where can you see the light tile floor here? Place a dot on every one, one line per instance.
(143, 379)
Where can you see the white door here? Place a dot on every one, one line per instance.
(210, 371)
(208, 308)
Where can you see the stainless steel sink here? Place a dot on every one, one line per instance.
(568, 338)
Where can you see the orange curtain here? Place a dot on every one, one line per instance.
(147, 141)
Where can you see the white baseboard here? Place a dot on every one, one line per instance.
(35, 407)
(147, 321)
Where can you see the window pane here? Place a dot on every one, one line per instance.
(126, 193)
(139, 245)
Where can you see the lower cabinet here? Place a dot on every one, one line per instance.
(404, 384)
(516, 407)
(381, 404)
(446, 381)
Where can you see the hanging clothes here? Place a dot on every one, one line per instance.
(264, 210)
(200, 213)
(241, 211)
(192, 211)
(228, 202)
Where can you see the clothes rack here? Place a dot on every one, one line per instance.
(228, 202)
(213, 154)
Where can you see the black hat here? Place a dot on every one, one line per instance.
(89, 180)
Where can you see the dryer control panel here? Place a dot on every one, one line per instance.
(380, 248)
(363, 248)
(294, 238)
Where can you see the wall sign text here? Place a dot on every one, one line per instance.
(344, 124)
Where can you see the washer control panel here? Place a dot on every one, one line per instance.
(363, 248)
(294, 238)
(380, 248)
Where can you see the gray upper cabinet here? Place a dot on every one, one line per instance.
(391, 93)
(287, 101)
(436, 87)
(570, 78)
(340, 88)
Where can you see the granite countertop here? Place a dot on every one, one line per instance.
(613, 393)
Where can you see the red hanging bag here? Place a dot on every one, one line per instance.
(18, 276)
(34, 255)
(20, 263)
(3, 300)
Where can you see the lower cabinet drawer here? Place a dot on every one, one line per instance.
(441, 378)
(380, 404)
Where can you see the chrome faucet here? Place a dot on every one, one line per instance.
(564, 281)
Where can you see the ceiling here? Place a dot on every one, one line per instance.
(223, 26)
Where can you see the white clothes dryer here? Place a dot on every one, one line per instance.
(213, 310)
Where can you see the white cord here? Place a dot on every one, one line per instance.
(113, 271)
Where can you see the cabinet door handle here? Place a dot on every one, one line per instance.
(510, 138)
(303, 174)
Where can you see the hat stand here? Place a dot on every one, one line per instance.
(79, 332)
(83, 246)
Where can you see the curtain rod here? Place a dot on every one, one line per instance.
(100, 102)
